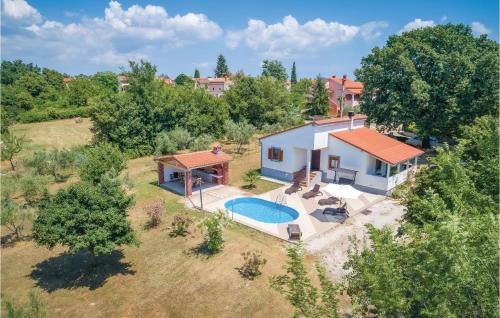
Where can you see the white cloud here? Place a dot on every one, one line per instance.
(112, 39)
(288, 36)
(20, 10)
(479, 28)
(417, 24)
(444, 18)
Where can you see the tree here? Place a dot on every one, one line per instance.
(275, 69)
(99, 160)
(301, 92)
(80, 91)
(11, 71)
(183, 79)
(14, 217)
(298, 289)
(213, 227)
(293, 75)
(33, 187)
(106, 80)
(11, 146)
(202, 142)
(438, 78)
(251, 176)
(196, 73)
(239, 133)
(54, 162)
(165, 145)
(318, 104)
(86, 216)
(221, 70)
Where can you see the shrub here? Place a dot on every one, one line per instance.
(51, 162)
(34, 309)
(252, 264)
(239, 133)
(154, 212)
(51, 113)
(14, 217)
(101, 159)
(32, 187)
(180, 225)
(213, 226)
(181, 137)
(251, 176)
(164, 144)
(202, 142)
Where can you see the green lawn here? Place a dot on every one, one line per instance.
(164, 277)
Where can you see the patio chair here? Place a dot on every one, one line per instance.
(329, 201)
(311, 194)
(294, 232)
(341, 210)
(294, 188)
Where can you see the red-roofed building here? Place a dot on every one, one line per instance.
(338, 150)
(343, 92)
(214, 85)
(180, 172)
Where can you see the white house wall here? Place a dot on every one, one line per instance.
(167, 171)
(321, 132)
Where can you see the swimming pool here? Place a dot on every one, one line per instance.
(262, 210)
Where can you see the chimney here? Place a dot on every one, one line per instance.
(334, 76)
(351, 116)
(216, 148)
(343, 79)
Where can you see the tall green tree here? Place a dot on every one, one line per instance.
(275, 69)
(318, 104)
(11, 71)
(196, 73)
(11, 146)
(183, 79)
(437, 77)
(221, 70)
(86, 216)
(101, 160)
(293, 75)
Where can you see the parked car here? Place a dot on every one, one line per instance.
(417, 141)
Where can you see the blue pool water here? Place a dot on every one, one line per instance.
(262, 210)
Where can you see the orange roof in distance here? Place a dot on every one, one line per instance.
(197, 159)
(378, 145)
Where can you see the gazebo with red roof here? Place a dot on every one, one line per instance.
(178, 172)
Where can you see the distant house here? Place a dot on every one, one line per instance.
(123, 82)
(215, 86)
(167, 81)
(68, 80)
(338, 150)
(342, 92)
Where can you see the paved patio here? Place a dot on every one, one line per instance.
(311, 220)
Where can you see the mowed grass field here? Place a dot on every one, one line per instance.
(164, 276)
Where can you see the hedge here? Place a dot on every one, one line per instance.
(37, 115)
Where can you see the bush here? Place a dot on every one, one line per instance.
(154, 212)
(213, 226)
(180, 225)
(99, 160)
(252, 264)
(239, 133)
(181, 137)
(33, 187)
(251, 176)
(202, 142)
(164, 145)
(54, 163)
(51, 113)
(14, 217)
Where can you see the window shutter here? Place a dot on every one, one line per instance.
(280, 156)
(270, 153)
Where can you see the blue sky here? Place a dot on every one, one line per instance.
(327, 37)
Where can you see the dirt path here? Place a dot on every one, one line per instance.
(332, 246)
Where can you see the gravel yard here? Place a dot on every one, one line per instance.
(332, 246)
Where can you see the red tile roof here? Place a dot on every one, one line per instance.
(338, 119)
(197, 159)
(378, 145)
(348, 83)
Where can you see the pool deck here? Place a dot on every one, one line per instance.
(311, 220)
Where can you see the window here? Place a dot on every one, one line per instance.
(333, 162)
(394, 170)
(403, 166)
(275, 154)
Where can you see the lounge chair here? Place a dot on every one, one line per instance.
(294, 232)
(311, 194)
(329, 201)
(341, 210)
(294, 188)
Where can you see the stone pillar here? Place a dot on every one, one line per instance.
(308, 166)
(161, 173)
(188, 181)
(225, 173)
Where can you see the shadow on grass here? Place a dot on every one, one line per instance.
(10, 240)
(249, 186)
(201, 250)
(67, 271)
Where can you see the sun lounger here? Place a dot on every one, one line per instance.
(329, 201)
(294, 232)
(294, 188)
(314, 192)
(341, 210)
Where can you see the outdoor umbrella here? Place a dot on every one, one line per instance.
(342, 191)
